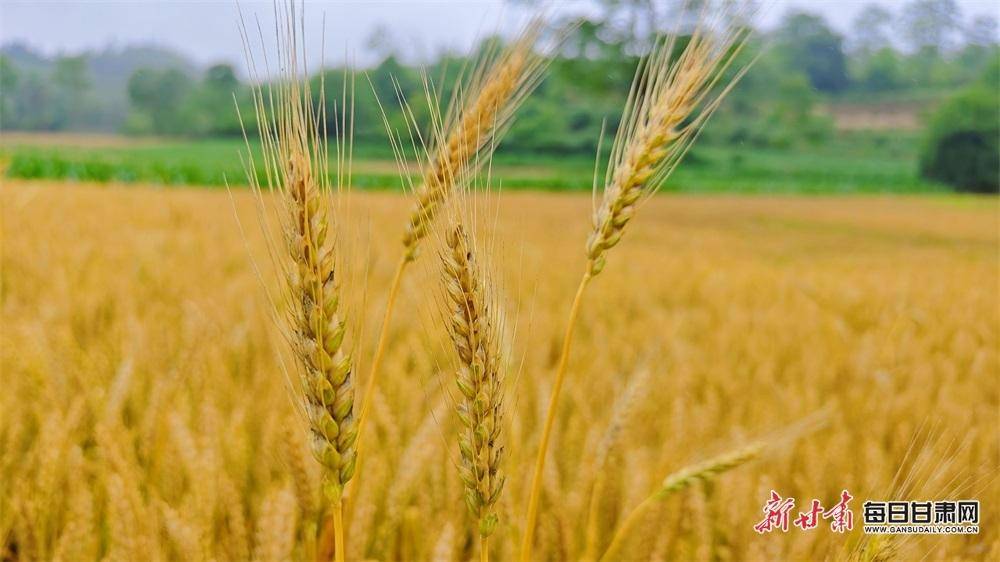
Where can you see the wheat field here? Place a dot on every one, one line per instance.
(145, 416)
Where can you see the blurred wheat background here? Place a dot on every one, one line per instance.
(144, 416)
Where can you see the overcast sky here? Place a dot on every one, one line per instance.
(206, 30)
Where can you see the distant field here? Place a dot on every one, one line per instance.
(851, 164)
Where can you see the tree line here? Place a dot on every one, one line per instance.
(925, 51)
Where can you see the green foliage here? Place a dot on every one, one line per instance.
(881, 71)
(71, 87)
(855, 164)
(8, 83)
(169, 102)
(778, 108)
(811, 47)
(771, 108)
(962, 140)
(161, 97)
(43, 98)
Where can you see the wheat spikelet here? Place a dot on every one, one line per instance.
(878, 549)
(669, 104)
(621, 415)
(667, 107)
(122, 521)
(706, 471)
(479, 378)
(319, 328)
(414, 461)
(296, 157)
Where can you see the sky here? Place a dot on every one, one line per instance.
(206, 30)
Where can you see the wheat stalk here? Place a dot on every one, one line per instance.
(667, 107)
(465, 137)
(676, 482)
(473, 327)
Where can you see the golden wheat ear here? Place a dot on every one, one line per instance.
(482, 107)
(479, 113)
(470, 307)
(296, 196)
(479, 377)
(670, 100)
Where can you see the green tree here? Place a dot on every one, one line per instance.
(810, 46)
(980, 47)
(8, 91)
(221, 78)
(34, 103)
(963, 138)
(158, 100)
(71, 84)
(881, 71)
(212, 104)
